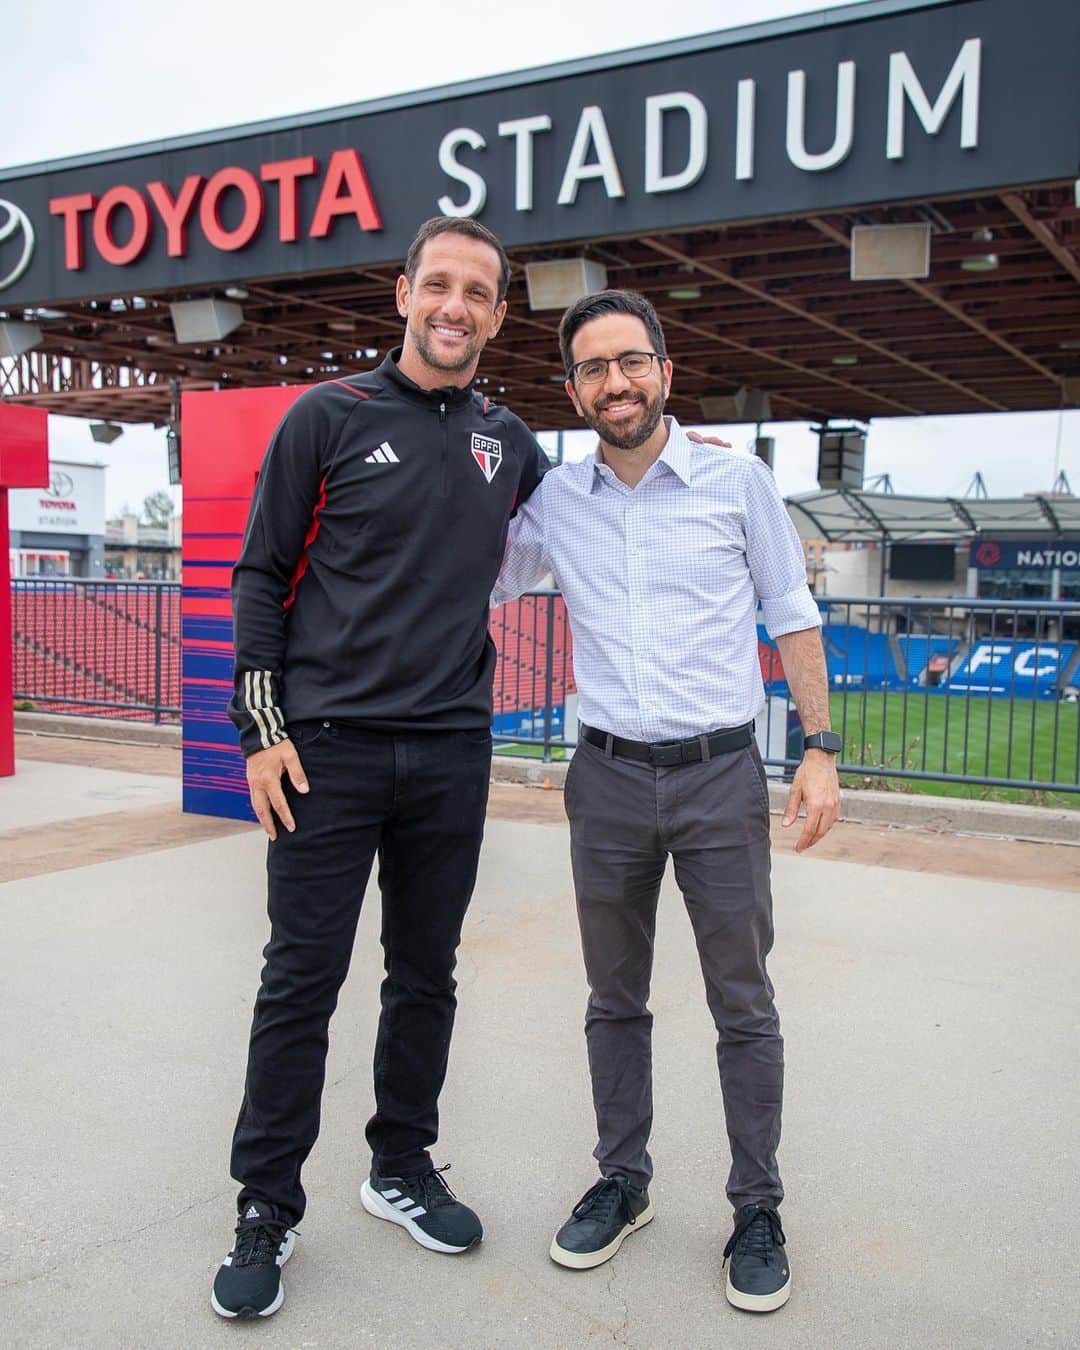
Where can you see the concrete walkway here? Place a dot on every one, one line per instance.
(930, 1130)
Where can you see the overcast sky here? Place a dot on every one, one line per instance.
(91, 75)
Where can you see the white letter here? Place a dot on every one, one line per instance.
(988, 654)
(845, 119)
(523, 128)
(744, 131)
(655, 107)
(1049, 659)
(591, 128)
(903, 80)
(472, 180)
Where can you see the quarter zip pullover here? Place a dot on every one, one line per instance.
(376, 532)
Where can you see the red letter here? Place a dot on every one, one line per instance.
(285, 172)
(121, 254)
(247, 185)
(346, 169)
(175, 213)
(71, 208)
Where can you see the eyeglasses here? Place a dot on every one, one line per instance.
(634, 365)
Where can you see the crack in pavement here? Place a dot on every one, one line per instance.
(619, 1333)
(88, 1247)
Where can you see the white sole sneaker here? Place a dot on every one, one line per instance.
(586, 1260)
(283, 1255)
(758, 1302)
(374, 1203)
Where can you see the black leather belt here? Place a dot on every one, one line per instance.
(666, 754)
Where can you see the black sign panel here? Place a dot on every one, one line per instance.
(945, 98)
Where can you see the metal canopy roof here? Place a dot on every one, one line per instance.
(756, 296)
(847, 516)
(776, 311)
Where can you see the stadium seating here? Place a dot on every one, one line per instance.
(918, 650)
(93, 648)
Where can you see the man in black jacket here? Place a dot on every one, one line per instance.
(363, 699)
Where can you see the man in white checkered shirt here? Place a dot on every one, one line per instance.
(663, 549)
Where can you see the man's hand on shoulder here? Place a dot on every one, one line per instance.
(699, 439)
(817, 787)
(265, 770)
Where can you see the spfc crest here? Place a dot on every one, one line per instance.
(487, 453)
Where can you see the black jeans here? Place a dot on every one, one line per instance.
(419, 800)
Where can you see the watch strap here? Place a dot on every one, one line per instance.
(829, 741)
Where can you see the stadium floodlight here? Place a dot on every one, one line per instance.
(890, 252)
(559, 283)
(105, 432)
(17, 338)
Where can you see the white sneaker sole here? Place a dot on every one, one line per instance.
(758, 1302)
(586, 1260)
(286, 1251)
(383, 1209)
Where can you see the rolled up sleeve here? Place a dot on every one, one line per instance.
(775, 557)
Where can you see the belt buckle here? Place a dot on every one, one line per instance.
(665, 756)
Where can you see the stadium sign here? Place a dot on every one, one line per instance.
(73, 503)
(893, 100)
(1035, 555)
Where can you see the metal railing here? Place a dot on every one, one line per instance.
(98, 648)
(976, 692)
(966, 692)
(984, 693)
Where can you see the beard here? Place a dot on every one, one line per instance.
(430, 356)
(633, 435)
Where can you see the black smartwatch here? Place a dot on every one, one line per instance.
(824, 740)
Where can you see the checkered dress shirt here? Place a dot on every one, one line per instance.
(662, 584)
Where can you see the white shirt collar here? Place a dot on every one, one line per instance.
(677, 454)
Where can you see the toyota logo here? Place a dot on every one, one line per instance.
(14, 224)
(61, 484)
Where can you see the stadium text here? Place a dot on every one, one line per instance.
(121, 220)
(592, 155)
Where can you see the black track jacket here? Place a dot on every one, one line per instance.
(376, 532)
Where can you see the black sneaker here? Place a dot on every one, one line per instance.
(425, 1207)
(758, 1275)
(248, 1282)
(599, 1221)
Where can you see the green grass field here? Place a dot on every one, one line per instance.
(876, 734)
(975, 738)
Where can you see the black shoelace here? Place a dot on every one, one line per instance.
(600, 1201)
(434, 1189)
(756, 1233)
(258, 1241)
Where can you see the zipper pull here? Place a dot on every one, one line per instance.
(442, 412)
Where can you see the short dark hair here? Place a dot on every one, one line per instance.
(472, 229)
(591, 307)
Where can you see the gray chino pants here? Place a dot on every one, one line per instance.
(713, 819)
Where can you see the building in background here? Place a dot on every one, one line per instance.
(136, 550)
(60, 530)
